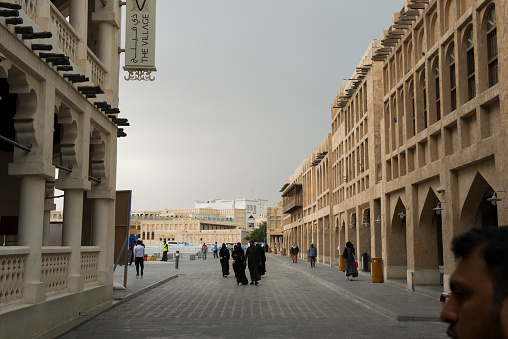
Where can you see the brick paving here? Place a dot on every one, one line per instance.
(291, 301)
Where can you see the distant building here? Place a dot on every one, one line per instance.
(195, 226)
(259, 220)
(252, 207)
(274, 226)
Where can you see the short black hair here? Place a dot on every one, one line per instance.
(492, 243)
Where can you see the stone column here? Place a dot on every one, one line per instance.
(78, 18)
(107, 51)
(100, 219)
(49, 206)
(31, 214)
(73, 216)
(43, 14)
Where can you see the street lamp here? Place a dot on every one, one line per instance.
(438, 208)
(494, 199)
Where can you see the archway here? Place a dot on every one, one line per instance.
(428, 243)
(396, 261)
(477, 211)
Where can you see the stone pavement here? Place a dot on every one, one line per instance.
(291, 301)
(396, 302)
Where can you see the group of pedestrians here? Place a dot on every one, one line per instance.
(348, 254)
(253, 258)
(311, 252)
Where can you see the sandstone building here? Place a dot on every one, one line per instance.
(253, 208)
(59, 70)
(416, 150)
(274, 226)
(194, 226)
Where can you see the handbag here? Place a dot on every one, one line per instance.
(356, 263)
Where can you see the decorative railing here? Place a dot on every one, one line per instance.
(54, 268)
(96, 70)
(293, 203)
(65, 34)
(12, 266)
(29, 7)
(89, 256)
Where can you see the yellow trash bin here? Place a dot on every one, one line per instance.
(283, 252)
(342, 265)
(308, 258)
(377, 274)
(275, 250)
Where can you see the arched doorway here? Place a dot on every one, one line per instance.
(428, 243)
(396, 260)
(477, 211)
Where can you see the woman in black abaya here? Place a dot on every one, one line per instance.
(224, 260)
(238, 265)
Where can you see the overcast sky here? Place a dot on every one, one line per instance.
(242, 95)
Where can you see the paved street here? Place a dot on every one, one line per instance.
(289, 302)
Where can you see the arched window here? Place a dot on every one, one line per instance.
(413, 111)
(434, 31)
(450, 13)
(153, 235)
(438, 90)
(143, 237)
(453, 82)
(492, 47)
(471, 82)
(409, 55)
(424, 104)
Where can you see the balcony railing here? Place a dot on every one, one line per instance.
(54, 267)
(66, 35)
(29, 7)
(96, 70)
(89, 256)
(12, 266)
(293, 203)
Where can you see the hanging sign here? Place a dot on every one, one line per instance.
(140, 39)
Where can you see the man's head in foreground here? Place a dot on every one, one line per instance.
(478, 304)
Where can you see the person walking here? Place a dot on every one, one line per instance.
(215, 255)
(139, 257)
(312, 253)
(262, 268)
(239, 264)
(349, 257)
(204, 248)
(224, 260)
(293, 251)
(164, 251)
(253, 260)
(131, 253)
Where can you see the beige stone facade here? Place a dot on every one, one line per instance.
(274, 226)
(57, 58)
(416, 153)
(194, 226)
